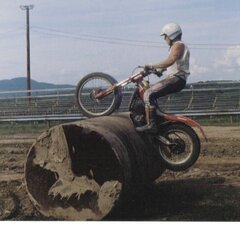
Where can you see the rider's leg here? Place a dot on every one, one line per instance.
(150, 112)
(162, 88)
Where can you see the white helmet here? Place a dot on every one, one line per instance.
(172, 30)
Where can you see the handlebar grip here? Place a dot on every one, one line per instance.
(159, 72)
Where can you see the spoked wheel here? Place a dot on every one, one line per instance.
(91, 85)
(180, 148)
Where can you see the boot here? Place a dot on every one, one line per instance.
(151, 120)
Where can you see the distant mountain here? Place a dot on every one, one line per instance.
(20, 83)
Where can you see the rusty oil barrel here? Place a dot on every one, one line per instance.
(86, 170)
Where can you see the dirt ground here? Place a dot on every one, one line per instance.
(208, 191)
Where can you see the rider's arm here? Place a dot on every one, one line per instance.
(176, 53)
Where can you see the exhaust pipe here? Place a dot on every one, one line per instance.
(87, 170)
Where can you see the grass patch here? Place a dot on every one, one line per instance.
(25, 127)
(40, 126)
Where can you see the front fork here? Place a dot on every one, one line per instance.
(164, 140)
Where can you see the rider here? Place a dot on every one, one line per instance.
(177, 65)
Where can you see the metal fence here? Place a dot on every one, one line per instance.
(60, 104)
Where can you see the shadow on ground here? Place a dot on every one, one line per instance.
(205, 199)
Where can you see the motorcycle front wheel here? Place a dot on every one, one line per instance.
(94, 83)
(181, 148)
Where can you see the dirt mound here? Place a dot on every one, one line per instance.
(209, 191)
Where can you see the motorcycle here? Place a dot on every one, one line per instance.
(99, 94)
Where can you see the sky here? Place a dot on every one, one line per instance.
(70, 39)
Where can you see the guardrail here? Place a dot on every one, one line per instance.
(59, 104)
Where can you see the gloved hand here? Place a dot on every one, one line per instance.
(148, 68)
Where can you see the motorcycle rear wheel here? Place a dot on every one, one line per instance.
(184, 151)
(90, 84)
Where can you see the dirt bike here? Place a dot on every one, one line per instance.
(178, 144)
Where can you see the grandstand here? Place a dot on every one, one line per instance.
(58, 104)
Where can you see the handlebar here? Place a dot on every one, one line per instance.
(158, 72)
(137, 76)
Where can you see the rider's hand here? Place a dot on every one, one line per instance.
(161, 70)
(148, 68)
